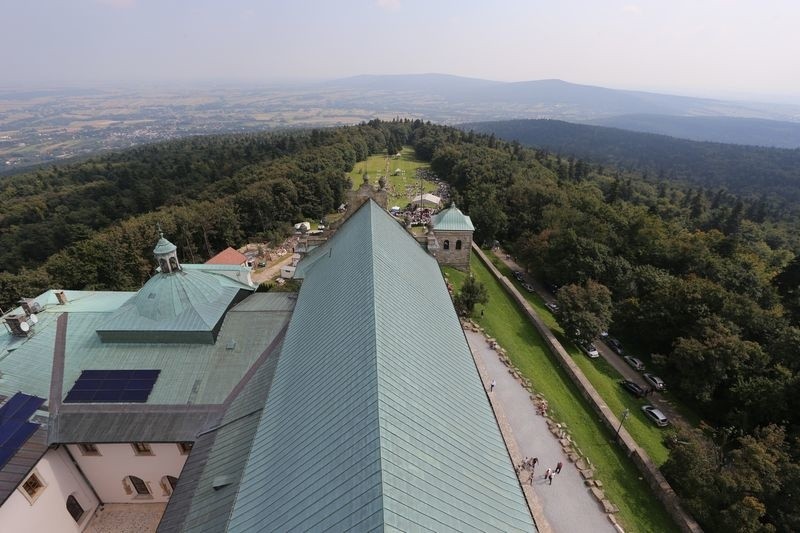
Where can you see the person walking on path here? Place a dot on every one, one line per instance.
(550, 478)
(492, 386)
(558, 467)
(548, 473)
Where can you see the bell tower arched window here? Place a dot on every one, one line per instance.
(458, 244)
(446, 244)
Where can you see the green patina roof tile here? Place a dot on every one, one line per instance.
(376, 394)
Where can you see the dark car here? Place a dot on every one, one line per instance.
(615, 345)
(528, 287)
(632, 387)
(518, 275)
(552, 306)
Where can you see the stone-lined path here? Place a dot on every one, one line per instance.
(568, 504)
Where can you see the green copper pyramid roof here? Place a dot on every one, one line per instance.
(377, 419)
(185, 306)
(452, 219)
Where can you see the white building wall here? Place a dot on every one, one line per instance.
(48, 512)
(107, 471)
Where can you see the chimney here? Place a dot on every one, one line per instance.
(62, 297)
(17, 325)
(30, 306)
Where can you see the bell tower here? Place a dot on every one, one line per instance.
(166, 254)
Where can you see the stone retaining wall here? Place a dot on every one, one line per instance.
(646, 466)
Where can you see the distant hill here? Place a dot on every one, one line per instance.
(556, 98)
(748, 170)
(733, 130)
(58, 124)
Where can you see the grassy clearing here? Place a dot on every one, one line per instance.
(502, 319)
(402, 187)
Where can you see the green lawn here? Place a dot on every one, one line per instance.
(503, 320)
(402, 187)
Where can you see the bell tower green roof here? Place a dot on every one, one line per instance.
(163, 246)
(452, 219)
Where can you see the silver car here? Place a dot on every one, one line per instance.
(635, 363)
(655, 415)
(655, 381)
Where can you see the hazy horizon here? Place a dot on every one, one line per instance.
(710, 48)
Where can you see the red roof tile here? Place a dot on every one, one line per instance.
(228, 256)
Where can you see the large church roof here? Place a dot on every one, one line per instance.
(376, 418)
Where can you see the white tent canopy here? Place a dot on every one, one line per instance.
(427, 200)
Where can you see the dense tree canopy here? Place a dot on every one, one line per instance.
(704, 280)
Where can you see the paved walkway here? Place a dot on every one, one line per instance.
(567, 504)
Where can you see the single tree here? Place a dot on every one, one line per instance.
(473, 292)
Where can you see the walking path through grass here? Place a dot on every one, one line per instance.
(567, 503)
(503, 320)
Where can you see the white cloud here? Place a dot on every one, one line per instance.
(388, 5)
(632, 9)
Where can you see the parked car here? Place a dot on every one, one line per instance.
(518, 275)
(655, 381)
(635, 363)
(655, 415)
(632, 387)
(615, 345)
(590, 350)
(552, 306)
(528, 287)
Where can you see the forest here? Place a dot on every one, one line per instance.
(744, 170)
(706, 281)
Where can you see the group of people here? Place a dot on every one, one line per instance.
(529, 464)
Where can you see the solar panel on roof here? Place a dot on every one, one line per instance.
(20, 406)
(15, 429)
(113, 386)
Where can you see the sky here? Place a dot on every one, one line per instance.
(702, 47)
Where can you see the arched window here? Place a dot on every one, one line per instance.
(74, 508)
(458, 244)
(139, 486)
(446, 244)
(168, 483)
(164, 265)
(173, 263)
